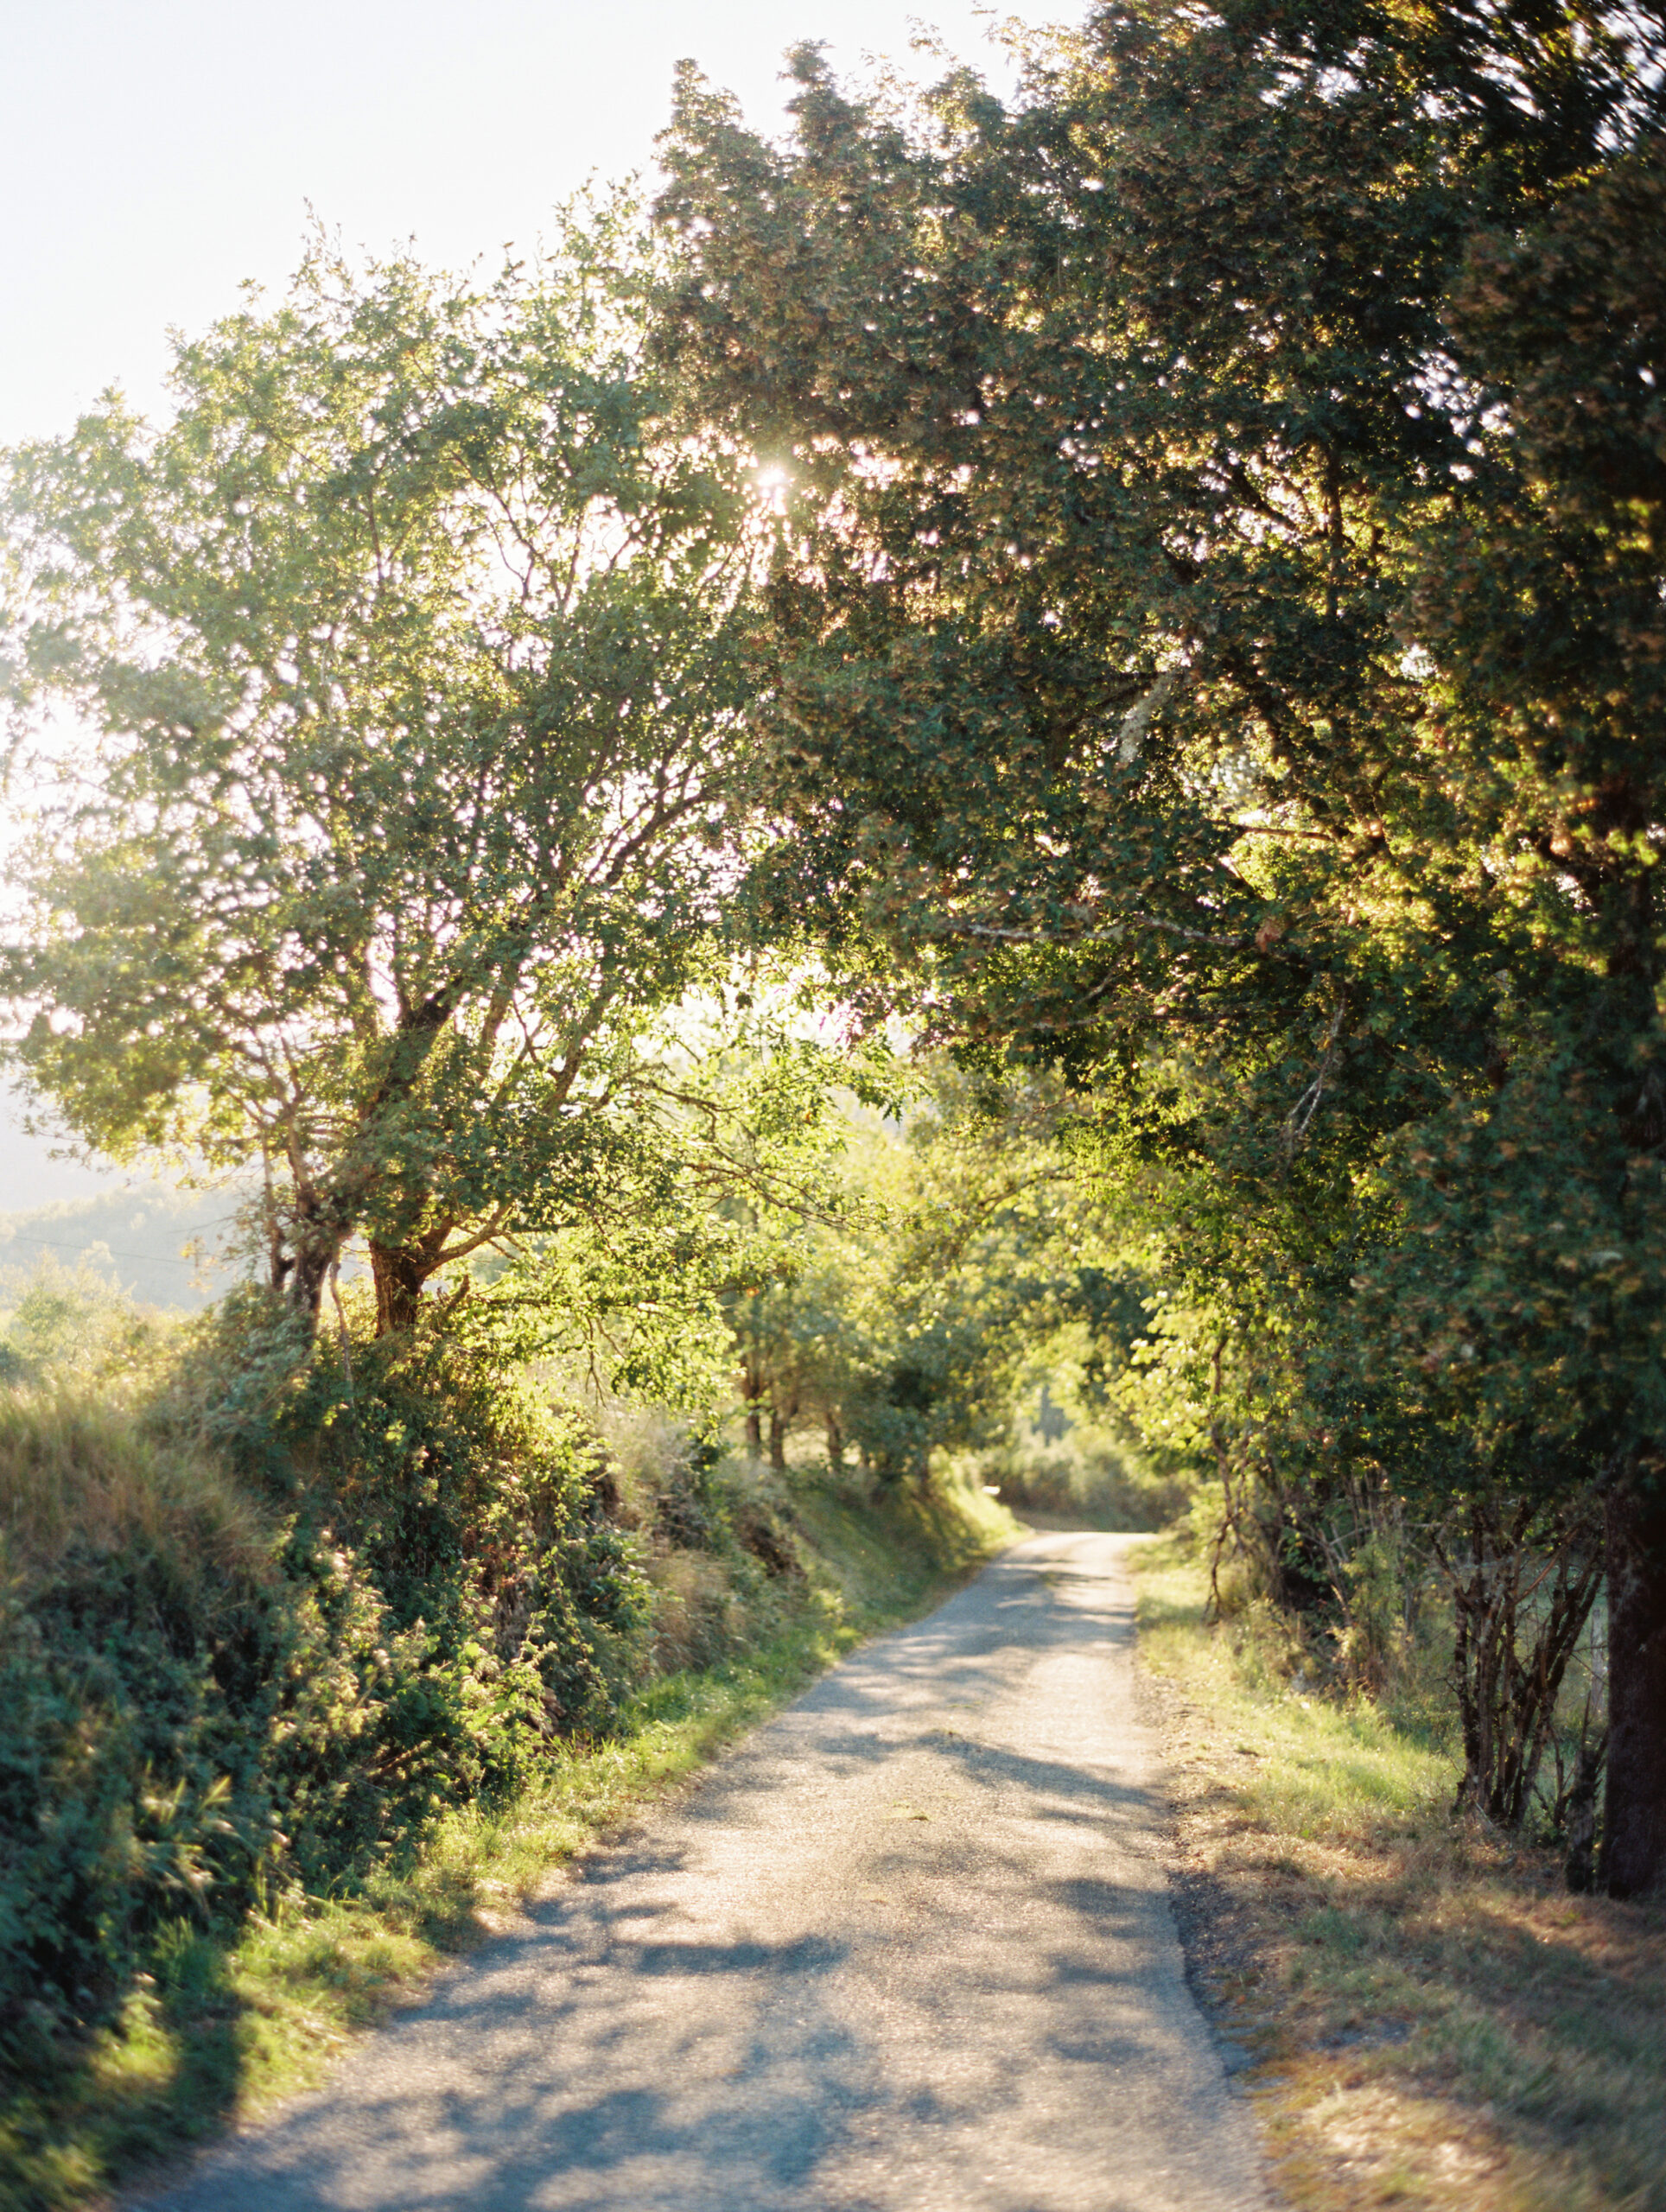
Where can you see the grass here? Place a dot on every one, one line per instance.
(75, 1469)
(1429, 2018)
(233, 2020)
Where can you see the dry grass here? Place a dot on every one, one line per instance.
(698, 1615)
(77, 1468)
(1429, 2018)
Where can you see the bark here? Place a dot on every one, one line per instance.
(1521, 1598)
(398, 1274)
(308, 1273)
(1580, 1819)
(1634, 1826)
(778, 1428)
(303, 1250)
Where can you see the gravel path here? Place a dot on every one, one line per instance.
(907, 1949)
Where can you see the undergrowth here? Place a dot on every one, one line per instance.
(278, 1741)
(1430, 2019)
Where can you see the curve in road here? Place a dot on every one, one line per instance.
(907, 1949)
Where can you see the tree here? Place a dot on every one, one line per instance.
(903, 1321)
(1214, 637)
(1538, 1217)
(413, 775)
(793, 1335)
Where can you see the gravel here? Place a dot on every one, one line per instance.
(909, 1949)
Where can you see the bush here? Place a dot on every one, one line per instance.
(138, 1587)
(1092, 1473)
(268, 1608)
(479, 1508)
(196, 1705)
(232, 1667)
(71, 1322)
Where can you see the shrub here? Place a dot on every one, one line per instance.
(257, 1632)
(194, 1704)
(1092, 1472)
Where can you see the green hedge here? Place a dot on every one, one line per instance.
(230, 1668)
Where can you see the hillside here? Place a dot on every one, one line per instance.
(137, 1234)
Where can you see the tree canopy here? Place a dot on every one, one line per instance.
(1215, 641)
(411, 650)
(1198, 662)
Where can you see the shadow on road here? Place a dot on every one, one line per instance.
(906, 1947)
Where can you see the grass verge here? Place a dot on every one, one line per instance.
(234, 2020)
(1427, 2018)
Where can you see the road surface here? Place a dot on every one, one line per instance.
(907, 1949)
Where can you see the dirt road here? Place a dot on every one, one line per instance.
(908, 1949)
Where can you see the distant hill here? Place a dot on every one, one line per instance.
(137, 1234)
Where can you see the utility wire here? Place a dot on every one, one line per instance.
(67, 1244)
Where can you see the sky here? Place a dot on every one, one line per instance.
(154, 154)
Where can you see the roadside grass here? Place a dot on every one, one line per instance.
(1429, 2019)
(233, 2020)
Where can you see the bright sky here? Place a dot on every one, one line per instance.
(155, 153)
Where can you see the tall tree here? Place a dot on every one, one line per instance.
(1535, 1267)
(903, 1322)
(1214, 635)
(412, 773)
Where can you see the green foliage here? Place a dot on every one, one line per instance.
(1066, 1459)
(636, 1301)
(208, 1700)
(471, 1501)
(60, 1322)
(409, 651)
(144, 1646)
(1219, 655)
(906, 1321)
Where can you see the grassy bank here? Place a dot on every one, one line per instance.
(231, 2019)
(1427, 2018)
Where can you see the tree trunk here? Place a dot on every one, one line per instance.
(1579, 1816)
(1522, 1597)
(304, 1247)
(308, 1273)
(398, 1274)
(1634, 1825)
(754, 1430)
(835, 1443)
(778, 1428)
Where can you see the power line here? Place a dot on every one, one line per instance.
(65, 1245)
